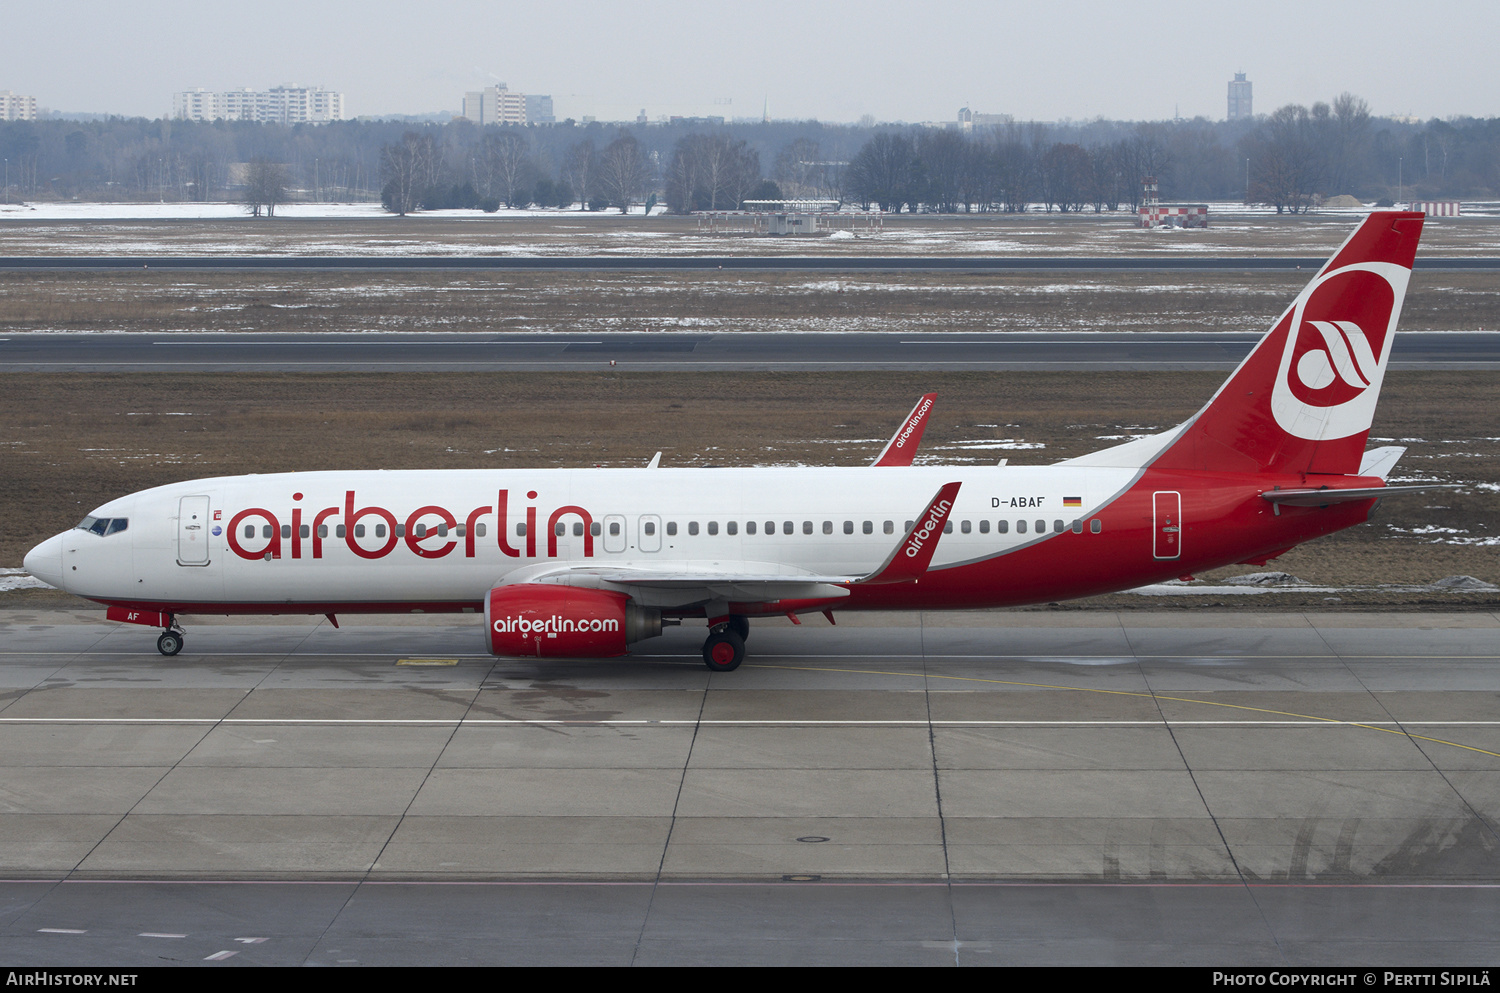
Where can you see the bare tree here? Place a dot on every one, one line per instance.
(942, 155)
(1285, 161)
(622, 171)
(580, 170)
(710, 172)
(265, 186)
(887, 172)
(406, 168)
(504, 160)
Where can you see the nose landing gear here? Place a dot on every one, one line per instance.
(171, 640)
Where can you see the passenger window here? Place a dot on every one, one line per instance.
(559, 529)
(443, 530)
(770, 527)
(984, 527)
(1077, 527)
(650, 527)
(322, 530)
(749, 527)
(286, 530)
(338, 531)
(947, 527)
(1020, 527)
(671, 528)
(380, 530)
(306, 530)
(868, 527)
(419, 531)
(249, 530)
(1041, 527)
(458, 530)
(692, 527)
(807, 527)
(359, 530)
(828, 527)
(480, 529)
(731, 527)
(1002, 527)
(1095, 526)
(578, 529)
(614, 529)
(265, 531)
(520, 529)
(400, 530)
(848, 527)
(966, 527)
(909, 524)
(1059, 527)
(890, 527)
(595, 529)
(713, 527)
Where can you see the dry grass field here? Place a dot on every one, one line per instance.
(73, 441)
(587, 302)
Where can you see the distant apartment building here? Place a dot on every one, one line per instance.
(289, 104)
(539, 110)
(15, 107)
(496, 105)
(1239, 98)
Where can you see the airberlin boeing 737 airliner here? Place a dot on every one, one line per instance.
(587, 562)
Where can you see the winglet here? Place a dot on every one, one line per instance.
(910, 559)
(902, 447)
(655, 462)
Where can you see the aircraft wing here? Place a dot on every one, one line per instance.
(684, 583)
(902, 447)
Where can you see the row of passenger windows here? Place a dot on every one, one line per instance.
(649, 528)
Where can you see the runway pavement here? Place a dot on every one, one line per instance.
(1027, 787)
(703, 352)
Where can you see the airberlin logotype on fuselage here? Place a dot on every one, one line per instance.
(1336, 351)
(373, 532)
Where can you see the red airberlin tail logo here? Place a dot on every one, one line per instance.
(1340, 339)
(1335, 354)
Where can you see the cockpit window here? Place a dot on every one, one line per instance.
(104, 525)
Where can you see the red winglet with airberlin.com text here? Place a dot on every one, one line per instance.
(910, 559)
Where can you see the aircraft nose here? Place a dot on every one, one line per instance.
(45, 561)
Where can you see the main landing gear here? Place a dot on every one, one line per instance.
(724, 649)
(171, 640)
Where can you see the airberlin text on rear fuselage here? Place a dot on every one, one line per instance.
(440, 536)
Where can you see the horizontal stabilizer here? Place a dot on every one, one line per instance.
(1325, 497)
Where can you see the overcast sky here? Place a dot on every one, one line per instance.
(834, 61)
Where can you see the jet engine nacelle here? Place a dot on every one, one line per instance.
(540, 619)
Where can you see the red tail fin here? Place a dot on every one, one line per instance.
(1303, 400)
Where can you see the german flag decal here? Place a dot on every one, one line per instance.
(1072, 501)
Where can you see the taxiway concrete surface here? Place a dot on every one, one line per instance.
(1070, 787)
